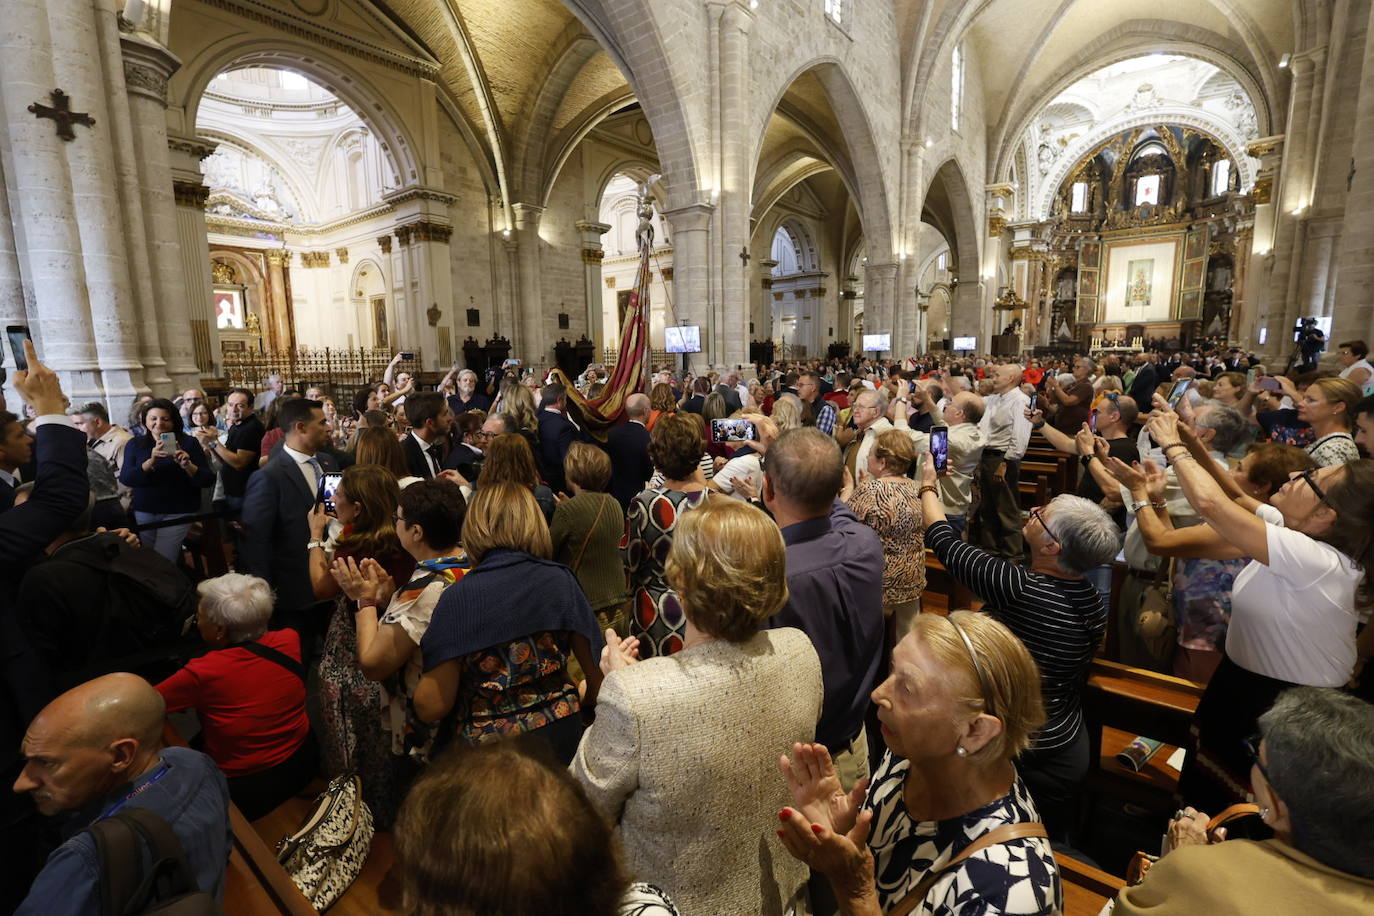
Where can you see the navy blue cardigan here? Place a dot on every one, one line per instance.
(166, 489)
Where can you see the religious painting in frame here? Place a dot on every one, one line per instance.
(1087, 283)
(1192, 272)
(1090, 254)
(1197, 245)
(1139, 283)
(1190, 305)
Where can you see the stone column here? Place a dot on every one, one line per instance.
(147, 67)
(730, 343)
(591, 279)
(530, 344)
(12, 309)
(278, 328)
(691, 237)
(880, 294)
(1354, 316)
(195, 270)
(1294, 202)
(424, 230)
(47, 169)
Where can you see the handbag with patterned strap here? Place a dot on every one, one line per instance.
(327, 853)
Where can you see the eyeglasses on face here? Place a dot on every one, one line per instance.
(1252, 746)
(1036, 514)
(1309, 476)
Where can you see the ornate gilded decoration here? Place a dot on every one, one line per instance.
(592, 255)
(342, 254)
(610, 282)
(314, 259)
(1264, 146)
(433, 314)
(996, 225)
(1263, 192)
(667, 275)
(223, 272)
(384, 243)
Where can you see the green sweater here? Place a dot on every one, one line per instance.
(601, 573)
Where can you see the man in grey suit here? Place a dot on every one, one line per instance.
(276, 504)
(728, 381)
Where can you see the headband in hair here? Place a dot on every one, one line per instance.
(978, 669)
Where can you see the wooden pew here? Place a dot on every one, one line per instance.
(1086, 889)
(1033, 493)
(255, 884)
(1121, 702)
(950, 595)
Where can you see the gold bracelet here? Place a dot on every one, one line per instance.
(1165, 448)
(928, 489)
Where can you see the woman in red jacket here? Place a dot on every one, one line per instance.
(249, 691)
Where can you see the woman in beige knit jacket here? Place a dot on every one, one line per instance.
(683, 750)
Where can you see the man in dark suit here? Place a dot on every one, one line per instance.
(60, 494)
(628, 446)
(16, 450)
(556, 433)
(468, 452)
(1146, 379)
(276, 504)
(728, 381)
(431, 422)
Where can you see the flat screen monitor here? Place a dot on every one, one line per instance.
(966, 343)
(877, 342)
(682, 338)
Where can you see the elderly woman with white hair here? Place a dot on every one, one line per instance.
(1056, 612)
(249, 692)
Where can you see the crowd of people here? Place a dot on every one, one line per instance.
(690, 664)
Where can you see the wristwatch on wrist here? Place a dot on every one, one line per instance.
(1138, 504)
(313, 544)
(1085, 460)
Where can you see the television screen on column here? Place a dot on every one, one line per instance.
(966, 343)
(877, 342)
(682, 338)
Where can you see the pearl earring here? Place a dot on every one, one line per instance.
(963, 751)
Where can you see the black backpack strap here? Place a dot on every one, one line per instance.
(121, 866)
(272, 655)
(170, 874)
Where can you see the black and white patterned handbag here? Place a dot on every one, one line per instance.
(327, 853)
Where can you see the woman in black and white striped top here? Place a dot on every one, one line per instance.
(1059, 615)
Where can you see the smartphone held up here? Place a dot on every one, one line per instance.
(939, 449)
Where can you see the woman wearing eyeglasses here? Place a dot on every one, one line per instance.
(1293, 607)
(1056, 612)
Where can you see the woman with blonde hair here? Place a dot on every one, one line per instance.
(946, 825)
(1328, 405)
(682, 745)
(889, 502)
(787, 413)
(519, 406)
(497, 648)
(509, 460)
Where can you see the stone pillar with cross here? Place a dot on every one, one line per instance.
(74, 271)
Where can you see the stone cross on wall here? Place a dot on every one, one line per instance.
(61, 112)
